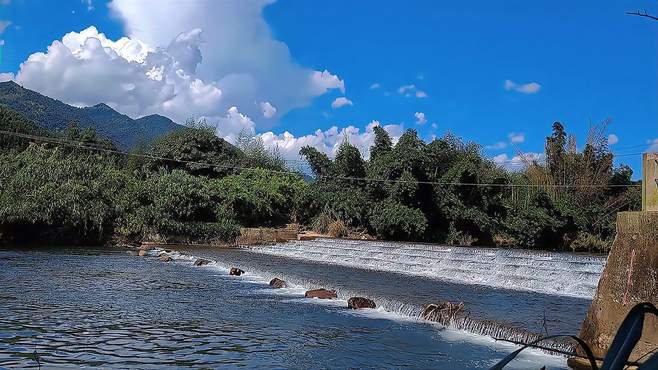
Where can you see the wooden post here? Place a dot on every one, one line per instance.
(650, 182)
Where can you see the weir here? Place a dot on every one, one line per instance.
(564, 280)
(535, 271)
(631, 274)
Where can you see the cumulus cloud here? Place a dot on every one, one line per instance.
(329, 141)
(86, 68)
(4, 77)
(512, 138)
(239, 52)
(613, 139)
(529, 88)
(411, 90)
(268, 109)
(233, 123)
(517, 162)
(516, 138)
(341, 102)
(420, 118)
(179, 59)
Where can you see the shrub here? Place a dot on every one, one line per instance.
(395, 221)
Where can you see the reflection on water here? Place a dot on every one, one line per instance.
(105, 308)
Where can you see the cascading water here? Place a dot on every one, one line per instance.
(514, 295)
(542, 272)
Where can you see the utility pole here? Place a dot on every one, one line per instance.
(650, 182)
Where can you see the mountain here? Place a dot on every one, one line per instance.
(55, 116)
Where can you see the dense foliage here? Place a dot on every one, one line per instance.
(191, 185)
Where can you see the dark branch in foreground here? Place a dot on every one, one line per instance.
(643, 14)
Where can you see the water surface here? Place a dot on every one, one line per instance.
(106, 308)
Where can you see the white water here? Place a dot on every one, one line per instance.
(530, 358)
(542, 272)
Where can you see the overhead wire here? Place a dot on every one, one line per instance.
(99, 148)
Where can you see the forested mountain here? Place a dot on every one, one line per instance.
(56, 116)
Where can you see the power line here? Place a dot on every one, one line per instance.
(82, 145)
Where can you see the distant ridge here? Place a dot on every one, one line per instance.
(55, 116)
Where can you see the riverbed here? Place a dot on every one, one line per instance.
(90, 308)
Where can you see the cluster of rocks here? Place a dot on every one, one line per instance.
(276, 283)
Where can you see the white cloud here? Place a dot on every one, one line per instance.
(375, 86)
(529, 88)
(435, 125)
(3, 25)
(4, 77)
(420, 118)
(497, 146)
(268, 109)
(613, 139)
(411, 90)
(324, 81)
(341, 102)
(512, 138)
(180, 59)
(232, 124)
(517, 162)
(328, 141)
(406, 89)
(516, 138)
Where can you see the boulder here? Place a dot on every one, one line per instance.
(235, 271)
(360, 302)
(143, 253)
(442, 312)
(201, 262)
(277, 283)
(321, 294)
(146, 247)
(165, 258)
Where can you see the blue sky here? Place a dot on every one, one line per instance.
(587, 61)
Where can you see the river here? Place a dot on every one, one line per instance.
(89, 308)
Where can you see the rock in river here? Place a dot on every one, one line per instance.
(235, 271)
(201, 262)
(277, 283)
(143, 253)
(165, 258)
(360, 302)
(321, 294)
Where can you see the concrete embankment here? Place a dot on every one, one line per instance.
(630, 277)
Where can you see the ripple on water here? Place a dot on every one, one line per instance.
(108, 309)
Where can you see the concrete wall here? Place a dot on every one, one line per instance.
(630, 277)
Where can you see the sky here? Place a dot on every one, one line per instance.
(299, 72)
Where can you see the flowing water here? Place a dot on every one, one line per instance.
(106, 308)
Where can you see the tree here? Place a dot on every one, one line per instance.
(320, 163)
(198, 151)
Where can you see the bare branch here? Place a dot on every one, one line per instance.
(643, 14)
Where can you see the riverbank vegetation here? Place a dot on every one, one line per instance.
(75, 187)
